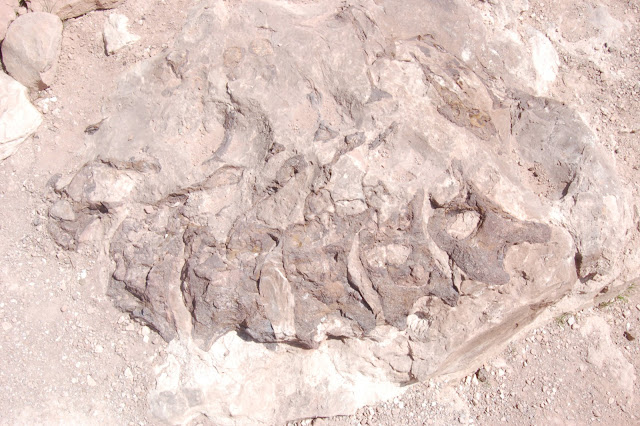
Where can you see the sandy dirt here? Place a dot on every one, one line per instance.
(69, 357)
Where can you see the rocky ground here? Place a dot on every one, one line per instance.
(69, 357)
(578, 369)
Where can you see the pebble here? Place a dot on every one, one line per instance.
(571, 320)
(596, 413)
(482, 375)
(98, 349)
(6, 326)
(128, 374)
(91, 382)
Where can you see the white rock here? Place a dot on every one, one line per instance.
(116, 35)
(31, 47)
(19, 119)
(91, 382)
(545, 61)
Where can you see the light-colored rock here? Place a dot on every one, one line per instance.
(31, 47)
(91, 381)
(19, 119)
(7, 15)
(67, 9)
(116, 34)
(318, 230)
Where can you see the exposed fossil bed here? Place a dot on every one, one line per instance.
(318, 204)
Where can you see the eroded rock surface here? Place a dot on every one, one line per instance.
(345, 185)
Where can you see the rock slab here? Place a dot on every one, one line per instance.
(67, 9)
(306, 228)
(19, 119)
(31, 48)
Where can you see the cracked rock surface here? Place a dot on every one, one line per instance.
(338, 195)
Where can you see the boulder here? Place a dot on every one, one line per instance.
(31, 48)
(316, 231)
(66, 9)
(19, 119)
(115, 33)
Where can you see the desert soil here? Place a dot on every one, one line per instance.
(68, 356)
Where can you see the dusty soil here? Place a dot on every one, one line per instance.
(69, 357)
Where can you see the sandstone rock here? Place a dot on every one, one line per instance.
(19, 119)
(320, 230)
(115, 33)
(31, 48)
(66, 9)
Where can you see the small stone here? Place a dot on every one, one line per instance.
(63, 308)
(98, 349)
(91, 382)
(630, 337)
(6, 326)
(571, 320)
(612, 400)
(145, 330)
(62, 210)
(115, 33)
(128, 374)
(596, 412)
(482, 375)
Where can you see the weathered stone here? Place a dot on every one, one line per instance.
(322, 229)
(66, 9)
(19, 119)
(7, 16)
(31, 47)
(116, 35)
